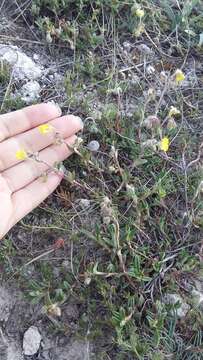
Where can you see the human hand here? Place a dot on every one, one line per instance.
(21, 185)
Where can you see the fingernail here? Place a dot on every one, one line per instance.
(80, 121)
(52, 102)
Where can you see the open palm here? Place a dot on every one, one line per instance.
(21, 184)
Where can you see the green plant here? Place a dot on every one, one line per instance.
(4, 73)
(137, 235)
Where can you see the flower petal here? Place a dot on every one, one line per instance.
(21, 154)
(179, 76)
(164, 144)
(45, 129)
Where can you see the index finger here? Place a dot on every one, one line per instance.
(22, 120)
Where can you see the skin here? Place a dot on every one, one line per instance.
(21, 185)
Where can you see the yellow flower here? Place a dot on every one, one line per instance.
(21, 154)
(45, 128)
(164, 144)
(140, 13)
(173, 111)
(179, 76)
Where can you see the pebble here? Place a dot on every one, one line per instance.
(93, 145)
(31, 341)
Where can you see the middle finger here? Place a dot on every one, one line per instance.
(32, 141)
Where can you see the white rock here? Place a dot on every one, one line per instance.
(93, 145)
(23, 66)
(172, 299)
(31, 341)
(30, 92)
